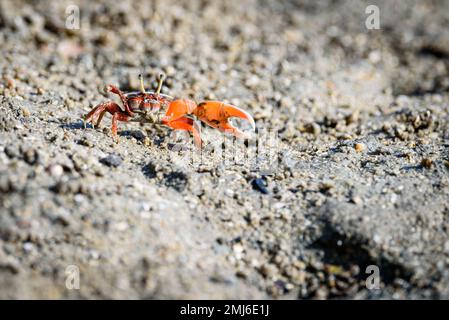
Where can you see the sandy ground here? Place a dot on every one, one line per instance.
(358, 175)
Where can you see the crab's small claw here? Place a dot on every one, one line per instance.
(216, 114)
(184, 123)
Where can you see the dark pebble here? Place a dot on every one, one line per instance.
(260, 185)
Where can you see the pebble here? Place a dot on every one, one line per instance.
(356, 200)
(260, 185)
(252, 81)
(55, 170)
(112, 160)
(80, 163)
(86, 142)
(25, 112)
(375, 56)
(327, 185)
(238, 251)
(268, 270)
(28, 246)
(359, 147)
(427, 163)
(313, 128)
(147, 142)
(352, 118)
(170, 71)
(30, 156)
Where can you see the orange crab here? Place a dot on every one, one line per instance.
(181, 114)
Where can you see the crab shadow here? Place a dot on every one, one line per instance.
(79, 125)
(74, 125)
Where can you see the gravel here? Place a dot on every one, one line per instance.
(357, 119)
(112, 160)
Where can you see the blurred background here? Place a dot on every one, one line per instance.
(361, 115)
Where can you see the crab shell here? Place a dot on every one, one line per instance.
(139, 101)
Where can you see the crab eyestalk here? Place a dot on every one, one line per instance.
(161, 78)
(142, 87)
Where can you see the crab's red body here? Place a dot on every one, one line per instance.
(180, 113)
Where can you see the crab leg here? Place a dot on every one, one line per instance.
(97, 113)
(114, 89)
(118, 116)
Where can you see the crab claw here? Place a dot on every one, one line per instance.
(177, 109)
(176, 118)
(187, 124)
(216, 114)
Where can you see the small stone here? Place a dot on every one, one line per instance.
(241, 274)
(28, 246)
(326, 185)
(344, 136)
(85, 142)
(353, 117)
(260, 185)
(401, 134)
(147, 142)
(12, 151)
(386, 127)
(25, 112)
(252, 81)
(80, 163)
(79, 198)
(357, 200)
(30, 156)
(238, 251)
(299, 276)
(170, 71)
(377, 239)
(55, 170)
(268, 270)
(359, 147)
(426, 163)
(112, 160)
(313, 128)
(375, 56)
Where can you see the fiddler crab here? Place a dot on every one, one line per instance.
(181, 114)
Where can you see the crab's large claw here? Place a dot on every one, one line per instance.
(177, 109)
(216, 114)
